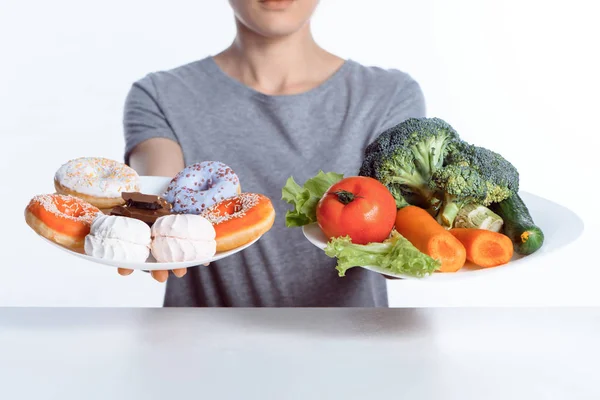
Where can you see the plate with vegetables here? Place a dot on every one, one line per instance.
(425, 204)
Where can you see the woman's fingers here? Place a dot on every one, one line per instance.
(179, 272)
(160, 276)
(124, 271)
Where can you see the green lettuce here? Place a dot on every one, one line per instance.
(395, 254)
(305, 198)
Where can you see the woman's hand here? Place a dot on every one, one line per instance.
(160, 276)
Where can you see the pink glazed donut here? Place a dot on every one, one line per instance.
(201, 185)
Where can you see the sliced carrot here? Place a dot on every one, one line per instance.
(485, 248)
(427, 235)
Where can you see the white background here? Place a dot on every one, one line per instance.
(520, 77)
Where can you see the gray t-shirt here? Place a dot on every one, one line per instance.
(266, 139)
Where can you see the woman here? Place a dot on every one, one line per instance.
(272, 105)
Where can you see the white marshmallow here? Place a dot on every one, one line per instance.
(184, 226)
(115, 249)
(183, 237)
(118, 238)
(171, 249)
(123, 228)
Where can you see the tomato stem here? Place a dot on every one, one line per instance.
(344, 196)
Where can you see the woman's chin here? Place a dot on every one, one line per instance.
(276, 27)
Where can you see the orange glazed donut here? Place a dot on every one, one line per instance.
(64, 219)
(240, 219)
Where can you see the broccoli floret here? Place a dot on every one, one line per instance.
(472, 175)
(405, 157)
(500, 176)
(460, 185)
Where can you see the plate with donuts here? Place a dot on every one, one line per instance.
(104, 212)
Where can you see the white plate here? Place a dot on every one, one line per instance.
(155, 185)
(560, 226)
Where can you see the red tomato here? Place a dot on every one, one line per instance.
(360, 207)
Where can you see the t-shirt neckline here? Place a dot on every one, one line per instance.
(216, 71)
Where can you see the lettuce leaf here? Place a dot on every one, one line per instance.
(305, 199)
(395, 254)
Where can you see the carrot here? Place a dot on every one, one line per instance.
(485, 248)
(427, 235)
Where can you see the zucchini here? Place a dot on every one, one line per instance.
(526, 236)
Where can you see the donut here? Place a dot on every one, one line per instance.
(97, 180)
(240, 219)
(63, 219)
(201, 185)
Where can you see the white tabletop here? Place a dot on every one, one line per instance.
(299, 354)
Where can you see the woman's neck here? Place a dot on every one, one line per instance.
(286, 65)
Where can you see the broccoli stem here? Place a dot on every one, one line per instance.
(420, 188)
(435, 205)
(412, 180)
(448, 215)
(480, 217)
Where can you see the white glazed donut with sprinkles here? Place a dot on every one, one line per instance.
(99, 181)
(200, 186)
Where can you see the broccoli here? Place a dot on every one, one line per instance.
(424, 162)
(405, 157)
(501, 177)
(472, 175)
(459, 185)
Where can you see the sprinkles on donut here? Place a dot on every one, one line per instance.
(63, 219)
(99, 181)
(201, 185)
(240, 219)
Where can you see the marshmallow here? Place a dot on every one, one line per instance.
(118, 238)
(183, 237)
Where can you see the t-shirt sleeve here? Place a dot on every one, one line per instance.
(408, 101)
(143, 117)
